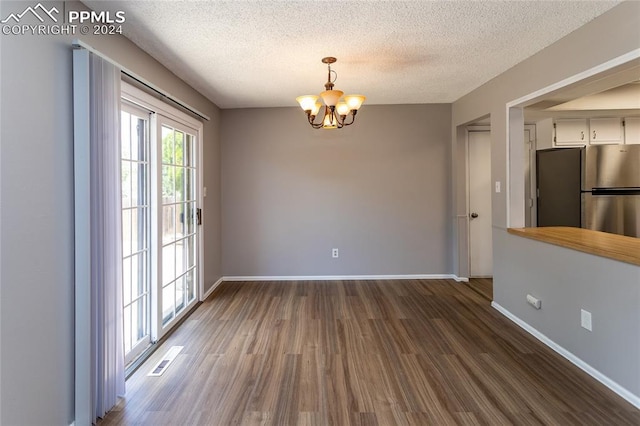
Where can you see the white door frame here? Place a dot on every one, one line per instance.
(531, 204)
(127, 107)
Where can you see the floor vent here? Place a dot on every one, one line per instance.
(166, 360)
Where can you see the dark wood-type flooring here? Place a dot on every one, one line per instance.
(411, 352)
(484, 286)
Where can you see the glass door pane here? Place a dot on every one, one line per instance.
(135, 230)
(178, 209)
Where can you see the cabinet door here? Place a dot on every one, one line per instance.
(632, 130)
(605, 130)
(573, 131)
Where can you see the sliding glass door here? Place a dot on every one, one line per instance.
(160, 220)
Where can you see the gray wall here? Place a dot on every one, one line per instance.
(378, 191)
(609, 289)
(611, 35)
(36, 214)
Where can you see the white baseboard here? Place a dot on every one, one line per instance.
(213, 287)
(460, 279)
(624, 393)
(339, 277)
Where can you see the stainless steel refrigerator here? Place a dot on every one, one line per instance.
(595, 187)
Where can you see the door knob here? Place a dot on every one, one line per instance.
(474, 215)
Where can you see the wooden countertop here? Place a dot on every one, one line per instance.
(612, 246)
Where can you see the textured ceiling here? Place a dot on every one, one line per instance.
(622, 97)
(265, 53)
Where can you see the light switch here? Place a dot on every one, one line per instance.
(585, 319)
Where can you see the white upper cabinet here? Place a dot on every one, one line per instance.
(605, 131)
(572, 131)
(632, 130)
(596, 131)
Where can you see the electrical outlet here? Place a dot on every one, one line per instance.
(534, 301)
(334, 253)
(498, 186)
(585, 319)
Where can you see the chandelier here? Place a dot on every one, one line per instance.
(336, 111)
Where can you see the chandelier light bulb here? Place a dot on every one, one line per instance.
(342, 108)
(307, 102)
(329, 121)
(354, 101)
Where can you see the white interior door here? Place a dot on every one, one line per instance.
(480, 239)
